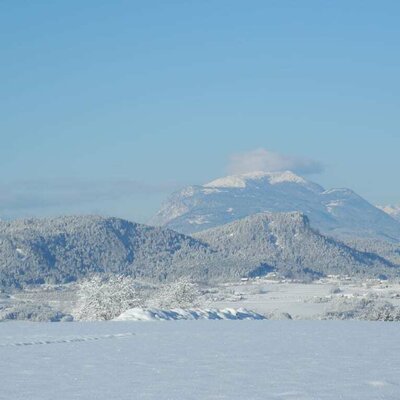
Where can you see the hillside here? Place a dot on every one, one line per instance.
(286, 242)
(65, 249)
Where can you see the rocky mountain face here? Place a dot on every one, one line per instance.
(337, 212)
(66, 249)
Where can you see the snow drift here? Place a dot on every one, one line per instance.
(153, 314)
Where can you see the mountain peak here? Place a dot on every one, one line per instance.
(241, 180)
(337, 212)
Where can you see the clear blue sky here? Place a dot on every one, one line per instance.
(106, 106)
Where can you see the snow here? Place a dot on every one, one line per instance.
(188, 192)
(333, 204)
(210, 191)
(274, 298)
(200, 360)
(198, 220)
(343, 191)
(228, 182)
(240, 181)
(140, 314)
(286, 176)
(393, 211)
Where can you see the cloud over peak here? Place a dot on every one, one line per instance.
(269, 161)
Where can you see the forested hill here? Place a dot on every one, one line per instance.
(65, 249)
(287, 242)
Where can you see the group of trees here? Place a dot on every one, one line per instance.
(367, 309)
(107, 297)
(27, 311)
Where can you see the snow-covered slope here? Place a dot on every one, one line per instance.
(339, 212)
(273, 178)
(393, 211)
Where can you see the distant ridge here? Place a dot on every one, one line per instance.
(336, 212)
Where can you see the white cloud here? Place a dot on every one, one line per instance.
(269, 161)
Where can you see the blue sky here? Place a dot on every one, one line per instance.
(107, 106)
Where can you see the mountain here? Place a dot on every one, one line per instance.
(285, 242)
(393, 211)
(62, 250)
(337, 212)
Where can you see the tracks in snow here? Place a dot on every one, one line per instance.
(74, 339)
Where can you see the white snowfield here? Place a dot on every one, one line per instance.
(152, 314)
(241, 181)
(200, 360)
(393, 211)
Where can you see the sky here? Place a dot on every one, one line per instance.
(106, 107)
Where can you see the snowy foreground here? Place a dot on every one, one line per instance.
(202, 360)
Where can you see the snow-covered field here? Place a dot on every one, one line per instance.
(273, 298)
(186, 360)
(301, 301)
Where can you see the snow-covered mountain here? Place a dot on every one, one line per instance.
(337, 212)
(60, 250)
(393, 211)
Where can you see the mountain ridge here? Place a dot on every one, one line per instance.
(337, 212)
(66, 249)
